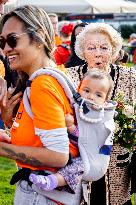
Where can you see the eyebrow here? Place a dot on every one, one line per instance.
(10, 34)
(98, 92)
(86, 88)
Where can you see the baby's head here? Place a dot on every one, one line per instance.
(96, 86)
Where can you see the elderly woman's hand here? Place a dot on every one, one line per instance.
(3, 91)
(11, 102)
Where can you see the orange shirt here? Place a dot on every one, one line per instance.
(134, 56)
(57, 40)
(49, 105)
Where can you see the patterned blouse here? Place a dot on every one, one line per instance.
(118, 183)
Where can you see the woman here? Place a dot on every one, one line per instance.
(73, 59)
(98, 44)
(62, 51)
(40, 143)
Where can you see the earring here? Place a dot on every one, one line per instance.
(39, 46)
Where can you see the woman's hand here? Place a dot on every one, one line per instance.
(4, 137)
(3, 91)
(11, 102)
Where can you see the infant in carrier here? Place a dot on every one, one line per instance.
(95, 88)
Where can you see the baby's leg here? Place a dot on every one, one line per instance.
(69, 175)
(73, 173)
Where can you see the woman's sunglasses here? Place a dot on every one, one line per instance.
(11, 40)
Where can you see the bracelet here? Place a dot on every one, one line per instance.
(7, 126)
(7, 131)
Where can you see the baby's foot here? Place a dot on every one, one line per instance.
(47, 183)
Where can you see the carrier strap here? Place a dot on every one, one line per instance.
(64, 80)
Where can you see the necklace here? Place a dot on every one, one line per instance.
(89, 119)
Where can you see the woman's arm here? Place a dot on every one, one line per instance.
(34, 156)
(3, 92)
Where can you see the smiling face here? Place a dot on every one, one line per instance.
(95, 90)
(24, 56)
(97, 50)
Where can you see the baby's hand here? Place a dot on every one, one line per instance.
(4, 137)
(70, 123)
(69, 120)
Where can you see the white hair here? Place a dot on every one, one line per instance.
(114, 36)
(133, 35)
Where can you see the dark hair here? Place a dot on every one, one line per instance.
(125, 57)
(74, 60)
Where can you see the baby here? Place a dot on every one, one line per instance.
(96, 87)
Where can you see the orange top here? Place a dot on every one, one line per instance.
(57, 40)
(49, 105)
(134, 56)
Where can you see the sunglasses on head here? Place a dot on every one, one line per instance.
(11, 40)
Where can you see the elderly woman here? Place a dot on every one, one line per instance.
(28, 46)
(99, 44)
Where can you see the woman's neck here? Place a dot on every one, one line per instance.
(45, 62)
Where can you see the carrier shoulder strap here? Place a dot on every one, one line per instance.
(64, 80)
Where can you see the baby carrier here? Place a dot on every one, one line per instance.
(96, 127)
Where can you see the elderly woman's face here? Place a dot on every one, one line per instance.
(20, 51)
(97, 50)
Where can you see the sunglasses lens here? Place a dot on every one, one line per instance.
(2, 42)
(12, 41)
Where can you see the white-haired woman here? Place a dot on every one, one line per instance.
(99, 45)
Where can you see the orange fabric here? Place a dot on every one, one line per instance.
(49, 105)
(57, 40)
(134, 56)
(2, 69)
(61, 54)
